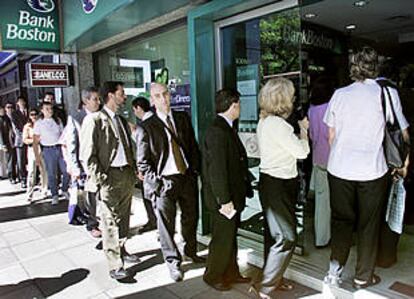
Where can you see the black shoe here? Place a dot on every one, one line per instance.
(357, 284)
(176, 274)
(119, 274)
(99, 246)
(219, 286)
(24, 186)
(197, 259)
(146, 228)
(241, 279)
(131, 258)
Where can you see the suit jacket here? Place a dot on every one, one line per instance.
(225, 173)
(19, 120)
(153, 149)
(5, 130)
(98, 147)
(73, 128)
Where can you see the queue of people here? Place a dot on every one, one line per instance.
(350, 172)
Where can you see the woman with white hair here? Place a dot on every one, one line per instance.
(357, 169)
(280, 149)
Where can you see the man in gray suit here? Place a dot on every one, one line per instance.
(107, 150)
(89, 104)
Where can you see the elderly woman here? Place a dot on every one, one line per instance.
(278, 184)
(357, 170)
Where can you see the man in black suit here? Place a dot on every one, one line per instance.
(19, 118)
(11, 151)
(226, 184)
(168, 157)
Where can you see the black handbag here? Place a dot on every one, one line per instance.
(396, 149)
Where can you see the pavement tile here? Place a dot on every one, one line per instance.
(16, 225)
(7, 258)
(69, 239)
(12, 274)
(188, 288)
(31, 291)
(21, 236)
(52, 228)
(211, 293)
(50, 265)
(3, 242)
(85, 255)
(33, 249)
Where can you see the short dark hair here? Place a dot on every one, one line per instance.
(225, 98)
(20, 97)
(110, 87)
(322, 90)
(141, 102)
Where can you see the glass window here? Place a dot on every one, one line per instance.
(162, 58)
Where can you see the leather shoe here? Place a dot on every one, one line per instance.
(241, 279)
(131, 258)
(119, 274)
(176, 274)
(219, 286)
(197, 259)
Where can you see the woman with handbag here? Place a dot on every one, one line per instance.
(357, 170)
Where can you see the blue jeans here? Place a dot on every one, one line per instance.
(53, 160)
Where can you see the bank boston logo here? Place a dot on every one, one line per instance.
(44, 6)
(89, 5)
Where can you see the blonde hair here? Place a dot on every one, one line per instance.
(364, 64)
(276, 98)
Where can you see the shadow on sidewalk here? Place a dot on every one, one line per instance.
(48, 286)
(12, 193)
(155, 259)
(32, 211)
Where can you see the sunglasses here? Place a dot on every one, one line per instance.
(9, 107)
(33, 114)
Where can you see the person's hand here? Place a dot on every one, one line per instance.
(38, 161)
(304, 124)
(140, 176)
(227, 208)
(399, 172)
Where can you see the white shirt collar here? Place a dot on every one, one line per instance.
(228, 120)
(147, 115)
(87, 111)
(163, 116)
(109, 111)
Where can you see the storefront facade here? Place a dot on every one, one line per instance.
(199, 47)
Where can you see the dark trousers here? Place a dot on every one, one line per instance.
(181, 189)
(21, 155)
(222, 251)
(152, 219)
(12, 164)
(90, 206)
(278, 198)
(356, 204)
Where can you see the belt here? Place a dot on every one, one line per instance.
(121, 168)
(50, 146)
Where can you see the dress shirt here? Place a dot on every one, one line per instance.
(279, 148)
(355, 113)
(120, 157)
(170, 166)
(228, 120)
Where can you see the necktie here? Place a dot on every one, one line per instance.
(124, 140)
(178, 157)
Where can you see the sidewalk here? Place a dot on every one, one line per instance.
(43, 256)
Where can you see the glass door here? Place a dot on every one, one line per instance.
(252, 49)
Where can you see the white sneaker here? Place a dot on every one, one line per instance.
(55, 200)
(332, 280)
(66, 195)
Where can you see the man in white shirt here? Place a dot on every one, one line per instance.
(106, 149)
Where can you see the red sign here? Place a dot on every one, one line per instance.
(48, 75)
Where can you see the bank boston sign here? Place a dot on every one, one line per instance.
(30, 25)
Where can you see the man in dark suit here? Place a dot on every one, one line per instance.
(106, 149)
(11, 150)
(19, 118)
(168, 157)
(142, 110)
(225, 187)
